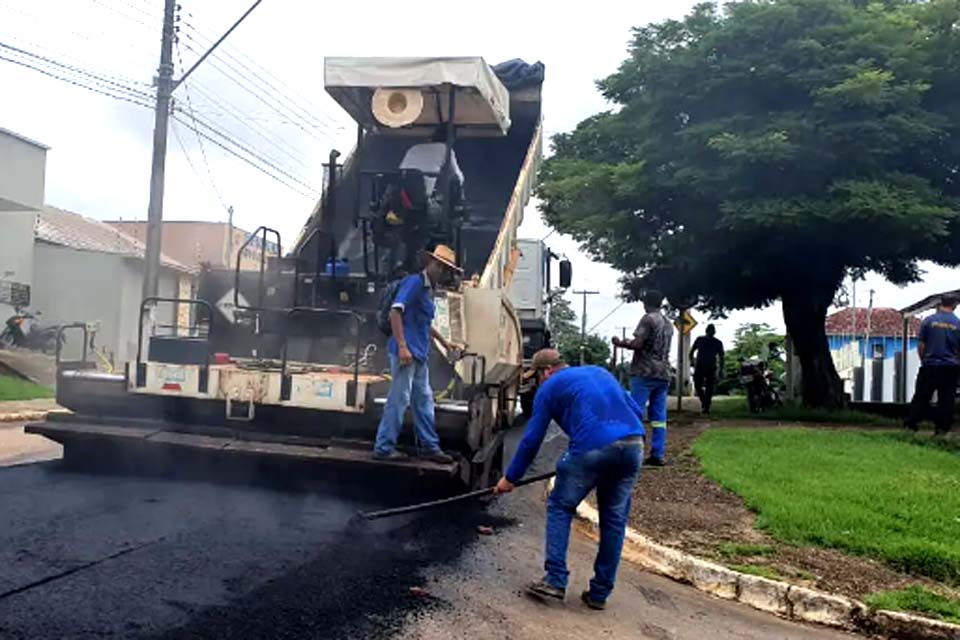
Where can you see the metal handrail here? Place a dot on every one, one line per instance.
(263, 263)
(189, 301)
(61, 330)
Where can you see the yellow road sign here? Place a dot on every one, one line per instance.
(685, 323)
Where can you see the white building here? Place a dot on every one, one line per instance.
(72, 268)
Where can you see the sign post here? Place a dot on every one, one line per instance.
(684, 323)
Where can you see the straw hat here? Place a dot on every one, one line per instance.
(396, 108)
(445, 256)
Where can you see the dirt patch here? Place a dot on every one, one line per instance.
(677, 506)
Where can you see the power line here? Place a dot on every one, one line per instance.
(304, 189)
(115, 38)
(76, 83)
(615, 309)
(100, 79)
(271, 162)
(308, 108)
(260, 92)
(127, 16)
(193, 116)
(249, 122)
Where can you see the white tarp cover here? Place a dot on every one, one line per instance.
(481, 99)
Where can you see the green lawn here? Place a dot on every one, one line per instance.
(919, 600)
(735, 408)
(16, 389)
(876, 494)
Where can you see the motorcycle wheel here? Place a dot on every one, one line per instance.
(753, 403)
(6, 340)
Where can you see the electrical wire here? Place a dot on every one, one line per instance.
(203, 152)
(261, 93)
(615, 309)
(272, 82)
(304, 190)
(248, 122)
(77, 83)
(99, 79)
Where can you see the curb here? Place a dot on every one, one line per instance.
(780, 598)
(28, 416)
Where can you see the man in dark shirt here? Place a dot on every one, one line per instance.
(707, 356)
(650, 371)
(939, 349)
(605, 453)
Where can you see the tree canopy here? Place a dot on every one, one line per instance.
(764, 150)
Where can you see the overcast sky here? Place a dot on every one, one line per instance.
(99, 162)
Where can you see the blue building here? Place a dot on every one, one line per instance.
(871, 337)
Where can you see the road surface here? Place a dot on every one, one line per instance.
(272, 554)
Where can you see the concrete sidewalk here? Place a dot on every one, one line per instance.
(25, 410)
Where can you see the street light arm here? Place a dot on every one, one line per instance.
(216, 44)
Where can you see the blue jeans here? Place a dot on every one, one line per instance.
(409, 385)
(651, 395)
(613, 471)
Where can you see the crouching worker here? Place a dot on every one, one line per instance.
(605, 453)
(411, 323)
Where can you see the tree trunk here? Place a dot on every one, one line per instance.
(805, 313)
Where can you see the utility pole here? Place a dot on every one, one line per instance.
(161, 121)
(166, 85)
(230, 260)
(583, 321)
(866, 345)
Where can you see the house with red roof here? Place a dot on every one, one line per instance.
(872, 337)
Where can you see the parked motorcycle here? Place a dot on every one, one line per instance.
(22, 330)
(757, 378)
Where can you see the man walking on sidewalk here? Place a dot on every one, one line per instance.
(939, 349)
(650, 371)
(605, 453)
(707, 354)
(411, 324)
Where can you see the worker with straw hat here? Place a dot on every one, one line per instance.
(411, 324)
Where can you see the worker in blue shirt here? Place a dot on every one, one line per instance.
(411, 324)
(939, 349)
(605, 453)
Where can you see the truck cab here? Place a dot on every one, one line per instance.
(532, 292)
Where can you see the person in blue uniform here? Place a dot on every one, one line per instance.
(605, 453)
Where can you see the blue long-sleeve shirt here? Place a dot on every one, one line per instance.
(589, 405)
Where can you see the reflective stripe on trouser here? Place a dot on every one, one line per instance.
(658, 439)
(651, 395)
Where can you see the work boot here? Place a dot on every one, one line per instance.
(543, 589)
(652, 461)
(438, 457)
(596, 605)
(392, 456)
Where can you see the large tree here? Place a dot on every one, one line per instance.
(763, 151)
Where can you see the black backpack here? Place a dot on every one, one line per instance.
(387, 297)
